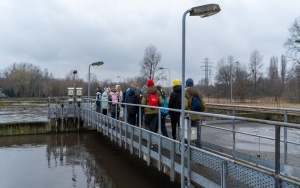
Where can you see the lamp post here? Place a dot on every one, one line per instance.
(99, 63)
(74, 92)
(170, 85)
(202, 11)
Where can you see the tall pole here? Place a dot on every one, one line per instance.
(89, 85)
(99, 63)
(170, 84)
(74, 93)
(182, 98)
(202, 11)
(231, 83)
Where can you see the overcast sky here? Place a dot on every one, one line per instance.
(64, 35)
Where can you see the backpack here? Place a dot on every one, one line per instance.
(152, 99)
(114, 98)
(196, 103)
(164, 112)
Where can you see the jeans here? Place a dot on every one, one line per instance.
(174, 123)
(162, 126)
(197, 124)
(132, 119)
(151, 121)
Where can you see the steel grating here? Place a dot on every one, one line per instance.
(206, 160)
(249, 176)
(244, 174)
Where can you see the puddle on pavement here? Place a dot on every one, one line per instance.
(73, 160)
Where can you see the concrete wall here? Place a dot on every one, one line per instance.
(21, 128)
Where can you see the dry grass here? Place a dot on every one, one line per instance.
(268, 102)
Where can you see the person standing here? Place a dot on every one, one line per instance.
(175, 102)
(191, 91)
(104, 101)
(98, 98)
(151, 97)
(132, 97)
(114, 99)
(120, 93)
(162, 116)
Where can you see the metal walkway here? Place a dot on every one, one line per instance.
(214, 165)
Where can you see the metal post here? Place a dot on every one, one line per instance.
(230, 83)
(285, 138)
(182, 99)
(74, 94)
(277, 156)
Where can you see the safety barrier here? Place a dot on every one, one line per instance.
(202, 167)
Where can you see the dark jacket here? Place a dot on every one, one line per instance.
(175, 101)
(133, 98)
(189, 92)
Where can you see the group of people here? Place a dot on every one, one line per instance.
(151, 96)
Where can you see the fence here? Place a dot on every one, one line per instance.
(215, 165)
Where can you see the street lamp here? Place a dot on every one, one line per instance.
(297, 41)
(99, 63)
(170, 85)
(202, 11)
(74, 92)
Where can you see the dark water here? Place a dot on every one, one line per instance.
(73, 160)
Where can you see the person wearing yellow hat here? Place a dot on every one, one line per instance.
(175, 102)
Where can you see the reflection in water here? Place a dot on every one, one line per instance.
(79, 160)
(68, 150)
(67, 164)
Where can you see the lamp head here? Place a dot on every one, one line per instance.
(74, 71)
(297, 41)
(205, 10)
(97, 63)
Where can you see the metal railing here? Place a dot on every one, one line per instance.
(235, 169)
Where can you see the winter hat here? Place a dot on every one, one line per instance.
(189, 82)
(150, 83)
(176, 82)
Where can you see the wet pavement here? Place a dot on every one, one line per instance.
(80, 160)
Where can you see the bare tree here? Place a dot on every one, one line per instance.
(274, 79)
(255, 65)
(225, 75)
(241, 82)
(293, 42)
(149, 63)
(283, 71)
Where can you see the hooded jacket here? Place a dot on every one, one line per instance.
(112, 108)
(175, 101)
(148, 110)
(133, 98)
(189, 92)
(104, 101)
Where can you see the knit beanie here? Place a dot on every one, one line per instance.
(176, 82)
(189, 82)
(150, 83)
